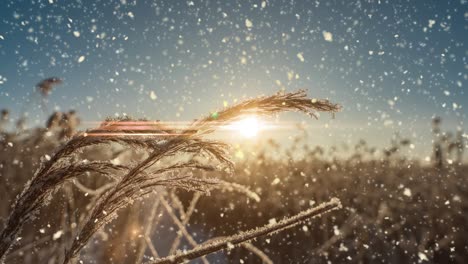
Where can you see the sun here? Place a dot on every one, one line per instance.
(247, 127)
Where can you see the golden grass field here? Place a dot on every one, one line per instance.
(118, 194)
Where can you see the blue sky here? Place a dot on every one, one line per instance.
(391, 64)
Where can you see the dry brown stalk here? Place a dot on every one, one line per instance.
(38, 193)
(55, 171)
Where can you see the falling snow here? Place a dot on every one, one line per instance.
(118, 82)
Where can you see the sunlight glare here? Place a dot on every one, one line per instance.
(247, 127)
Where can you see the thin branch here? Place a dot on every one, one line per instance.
(242, 237)
(149, 226)
(181, 227)
(185, 221)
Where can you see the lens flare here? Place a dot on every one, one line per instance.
(247, 127)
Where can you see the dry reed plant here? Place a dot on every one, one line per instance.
(163, 166)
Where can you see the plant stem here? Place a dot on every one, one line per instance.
(242, 237)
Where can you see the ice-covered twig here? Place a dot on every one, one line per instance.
(235, 187)
(180, 225)
(147, 231)
(185, 221)
(242, 237)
